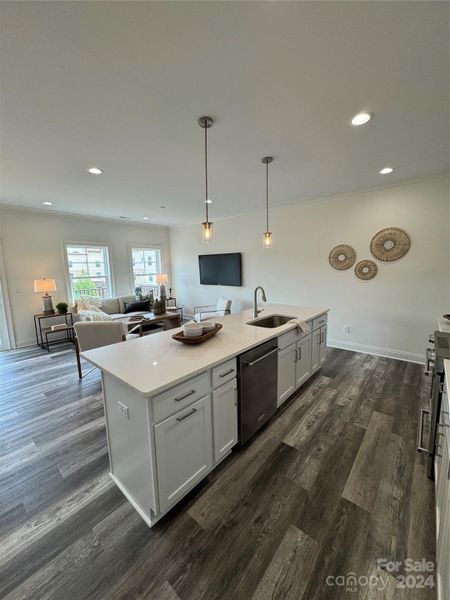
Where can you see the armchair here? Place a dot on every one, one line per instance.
(203, 313)
(95, 334)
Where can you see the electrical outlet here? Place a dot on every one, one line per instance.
(346, 328)
(124, 410)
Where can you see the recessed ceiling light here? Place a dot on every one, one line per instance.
(95, 171)
(361, 118)
(47, 203)
(208, 201)
(145, 218)
(387, 170)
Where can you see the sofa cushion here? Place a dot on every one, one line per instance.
(110, 306)
(136, 306)
(122, 299)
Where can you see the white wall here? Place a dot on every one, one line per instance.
(389, 315)
(32, 243)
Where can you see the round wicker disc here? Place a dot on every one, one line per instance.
(390, 244)
(342, 257)
(366, 269)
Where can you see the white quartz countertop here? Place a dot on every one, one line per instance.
(153, 363)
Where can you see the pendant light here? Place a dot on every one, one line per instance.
(267, 237)
(207, 231)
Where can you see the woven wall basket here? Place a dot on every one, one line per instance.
(390, 244)
(342, 257)
(366, 269)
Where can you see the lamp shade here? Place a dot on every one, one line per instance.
(44, 285)
(162, 278)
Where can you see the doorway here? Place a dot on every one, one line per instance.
(4, 337)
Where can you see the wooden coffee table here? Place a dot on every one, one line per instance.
(169, 320)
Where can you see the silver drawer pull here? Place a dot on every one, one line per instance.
(226, 373)
(194, 410)
(185, 396)
(261, 417)
(420, 447)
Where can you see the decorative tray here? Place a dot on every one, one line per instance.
(180, 337)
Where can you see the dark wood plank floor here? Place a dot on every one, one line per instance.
(332, 484)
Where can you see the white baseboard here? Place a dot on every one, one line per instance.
(386, 352)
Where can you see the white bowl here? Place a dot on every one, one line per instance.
(191, 333)
(192, 329)
(208, 326)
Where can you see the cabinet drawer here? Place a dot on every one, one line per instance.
(319, 321)
(178, 397)
(287, 339)
(224, 372)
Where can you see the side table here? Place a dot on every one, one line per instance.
(42, 333)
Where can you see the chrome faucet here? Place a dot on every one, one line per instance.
(255, 307)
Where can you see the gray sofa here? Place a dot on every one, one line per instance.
(115, 307)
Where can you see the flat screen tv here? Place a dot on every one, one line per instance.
(220, 269)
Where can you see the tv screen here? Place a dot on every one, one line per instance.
(220, 269)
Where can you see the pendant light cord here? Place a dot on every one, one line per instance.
(267, 196)
(206, 171)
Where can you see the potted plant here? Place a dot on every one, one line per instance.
(159, 307)
(62, 307)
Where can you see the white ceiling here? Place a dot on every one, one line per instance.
(120, 85)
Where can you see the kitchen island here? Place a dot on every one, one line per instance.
(172, 410)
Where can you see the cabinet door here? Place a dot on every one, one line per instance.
(315, 350)
(225, 419)
(303, 365)
(183, 445)
(286, 372)
(323, 343)
(443, 518)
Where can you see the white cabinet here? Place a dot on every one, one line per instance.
(323, 343)
(225, 419)
(294, 367)
(286, 372)
(318, 348)
(442, 493)
(315, 350)
(183, 445)
(303, 365)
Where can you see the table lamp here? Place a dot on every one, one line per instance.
(46, 285)
(162, 279)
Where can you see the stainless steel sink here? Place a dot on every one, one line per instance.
(270, 321)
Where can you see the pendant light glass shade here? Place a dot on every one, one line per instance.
(207, 232)
(207, 227)
(267, 235)
(267, 239)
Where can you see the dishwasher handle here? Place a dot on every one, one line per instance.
(255, 362)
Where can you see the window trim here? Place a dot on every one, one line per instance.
(145, 246)
(106, 245)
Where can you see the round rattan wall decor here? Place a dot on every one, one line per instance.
(390, 244)
(342, 257)
(366, 269)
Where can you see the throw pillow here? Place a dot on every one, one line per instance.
(137, 307)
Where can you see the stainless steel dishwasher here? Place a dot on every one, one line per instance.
(258, 378)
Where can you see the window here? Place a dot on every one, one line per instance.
(89, 272)
(146, 263)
